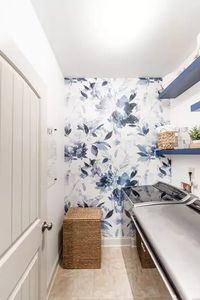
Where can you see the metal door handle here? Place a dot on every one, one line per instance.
(47, 226)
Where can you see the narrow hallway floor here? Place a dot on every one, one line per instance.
(121, 278)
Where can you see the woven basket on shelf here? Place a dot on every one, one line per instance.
(167, 140)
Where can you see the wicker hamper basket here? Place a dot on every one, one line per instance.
(145, 258)
(82, 238)
(167, 140)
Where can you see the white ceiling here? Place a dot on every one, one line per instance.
(119, 38)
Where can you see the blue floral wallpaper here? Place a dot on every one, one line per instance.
(109, 144)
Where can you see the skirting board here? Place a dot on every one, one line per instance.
(118, 242)
(53, 274)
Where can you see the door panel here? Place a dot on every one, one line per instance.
(17, 158)
(6, 109)
(27, 287)
(18, 258)
(22, 244)
(34, 281)
(26, 148)
(34, 158)
(18, 295)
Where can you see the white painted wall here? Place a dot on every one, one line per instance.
(181, 116)
(18, 19)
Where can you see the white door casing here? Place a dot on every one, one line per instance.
(22, 178)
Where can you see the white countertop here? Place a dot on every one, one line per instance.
(174, 233)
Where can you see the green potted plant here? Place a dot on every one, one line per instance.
(195, 137)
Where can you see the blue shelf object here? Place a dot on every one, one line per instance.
(189, 77)
(195, 106)
(189, 151)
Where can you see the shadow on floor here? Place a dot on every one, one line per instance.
(146, 284)
(120, 278)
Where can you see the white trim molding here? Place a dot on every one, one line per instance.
(53, 274)
(10, 52)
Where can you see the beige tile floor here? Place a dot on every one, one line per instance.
(121, 277)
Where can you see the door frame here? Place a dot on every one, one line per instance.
(14, 56)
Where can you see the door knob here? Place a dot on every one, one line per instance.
(47, 226)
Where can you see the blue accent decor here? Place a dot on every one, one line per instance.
(195, 106)
(189, 151)
(183, 82)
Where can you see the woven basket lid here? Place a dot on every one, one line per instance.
(78, 213)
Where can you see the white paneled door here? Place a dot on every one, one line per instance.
(22, 243)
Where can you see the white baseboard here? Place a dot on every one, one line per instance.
(53, 274)
(118, 242)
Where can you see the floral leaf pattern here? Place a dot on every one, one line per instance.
(104, 160)
(108, 136)
(109, 214)
(110, 142)
(86, 128)
(84, 94)
(94, 150)
(67, 129)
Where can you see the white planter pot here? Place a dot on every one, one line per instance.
(196, 141)
(195, 144)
